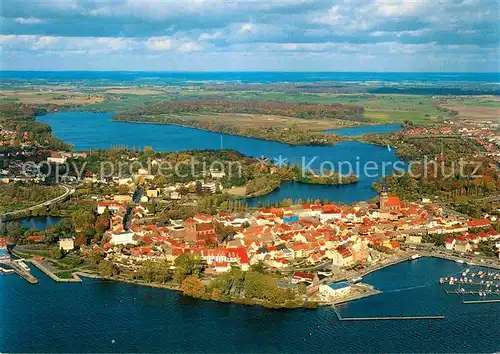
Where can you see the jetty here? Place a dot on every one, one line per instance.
(388, 318)
(20, 268)
(6, 271)
(437, 317)
(472, 292)
(480, 301)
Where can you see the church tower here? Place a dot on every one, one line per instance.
(383, 197)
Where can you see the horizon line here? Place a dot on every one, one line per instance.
(262, 71)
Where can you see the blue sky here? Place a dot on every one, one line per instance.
(233, 35)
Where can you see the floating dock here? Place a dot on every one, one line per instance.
(472, 292)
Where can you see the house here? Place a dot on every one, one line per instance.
(122, 198)
(123, 238)
(311, 281)
(414, 239)
(152, 192)
(209, 187)
(236, 256)
(478, 223)
(342, 256)
(341, 288)
(462, 245)
(57, 158)
(67, 244)
(111, 205)
(449, 243)
(35, 238)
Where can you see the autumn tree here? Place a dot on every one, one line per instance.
(192, 286)
(108, 269)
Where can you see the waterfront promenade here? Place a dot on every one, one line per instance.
(75, 278)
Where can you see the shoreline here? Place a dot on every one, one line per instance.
(364, 289)
(237, 301)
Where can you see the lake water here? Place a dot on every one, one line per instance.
(87, 317)
(367, 129)
(97, 131)
(39, 222)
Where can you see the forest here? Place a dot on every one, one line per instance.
(286, 109)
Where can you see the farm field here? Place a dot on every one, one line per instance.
(256, 121)
(50, 97)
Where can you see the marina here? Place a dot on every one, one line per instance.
(470, 282)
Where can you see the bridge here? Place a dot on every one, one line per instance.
(67, 192)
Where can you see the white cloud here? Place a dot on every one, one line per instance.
(28, 20)
(92, 45)
(210, 36)
(41, 42)
(159, 43)
(398, 8)
(247, 28)
(332, 16)
(190, 47)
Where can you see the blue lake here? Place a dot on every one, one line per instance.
(87, 317)
(367, 129)
(39, 222)
(97, 131)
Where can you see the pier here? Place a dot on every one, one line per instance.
(480, 301)
(438, 317)
(387, 318)
(21, 271)
(472, 292)
(6, 271)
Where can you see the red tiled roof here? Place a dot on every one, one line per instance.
(478, 223)
(304, 275)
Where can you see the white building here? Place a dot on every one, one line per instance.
(67, 244)
(123, 238)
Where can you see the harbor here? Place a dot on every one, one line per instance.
(20, 268)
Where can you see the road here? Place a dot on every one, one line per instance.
(67, 191)
(441, 252)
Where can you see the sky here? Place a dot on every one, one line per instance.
(251, 35)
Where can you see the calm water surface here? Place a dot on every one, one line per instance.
(97, 131)
(39, 222)
(87, 317)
